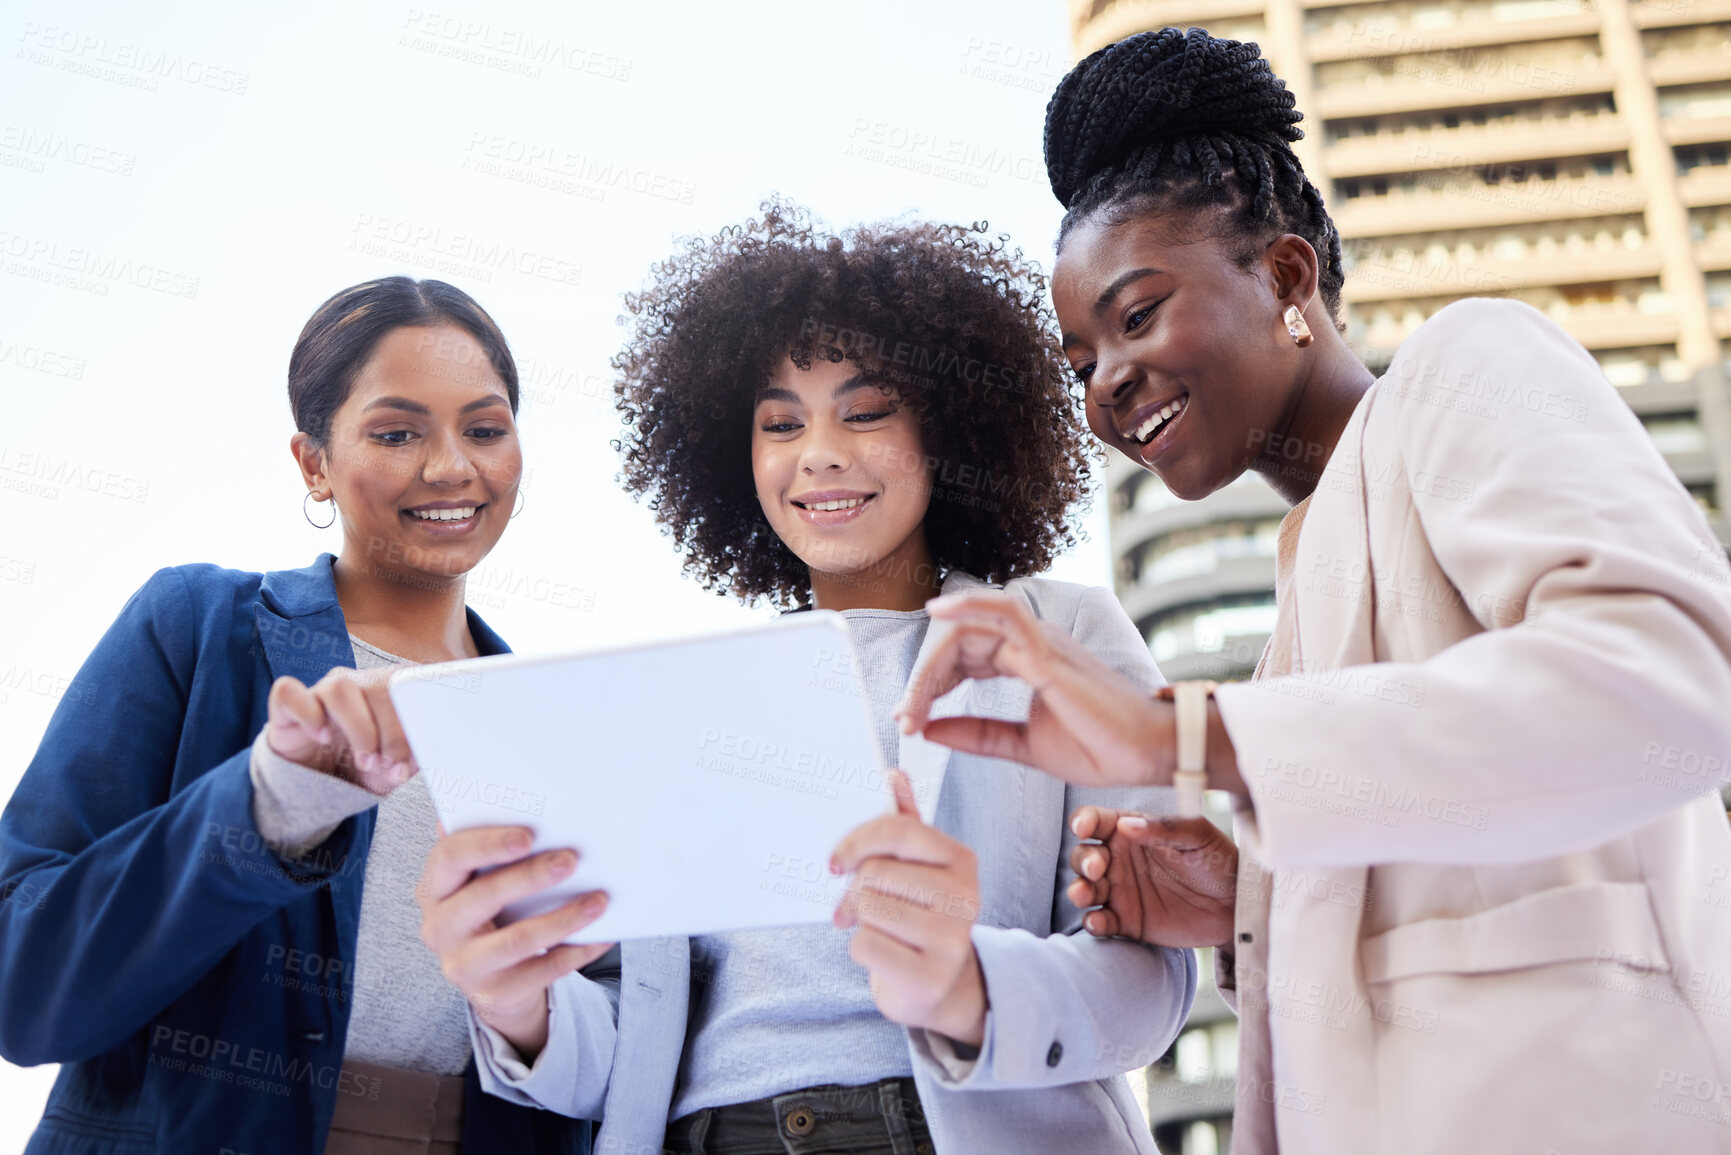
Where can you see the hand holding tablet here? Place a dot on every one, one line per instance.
(504, 973)
(755, 752)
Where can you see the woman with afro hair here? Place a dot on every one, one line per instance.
(857, 422)
(1481, 894)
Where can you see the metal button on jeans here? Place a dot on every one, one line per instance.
(800, 1121)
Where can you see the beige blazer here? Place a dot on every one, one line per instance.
(1485, 904)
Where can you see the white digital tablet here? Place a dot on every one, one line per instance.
(703, 782)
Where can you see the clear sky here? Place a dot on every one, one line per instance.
(181, 184)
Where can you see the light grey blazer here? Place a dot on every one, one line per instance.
(1069, 1013)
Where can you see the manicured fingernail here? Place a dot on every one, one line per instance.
(1076, 826)
(834, 866)
(594, 904)
(1133, 822)
(562, 863)
(905, 723)
(517, 840)
(369, 761)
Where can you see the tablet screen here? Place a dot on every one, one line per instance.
(703, 782)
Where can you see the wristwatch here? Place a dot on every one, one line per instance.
(1190, 704)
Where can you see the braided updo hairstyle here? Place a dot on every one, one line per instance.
(1185, 122)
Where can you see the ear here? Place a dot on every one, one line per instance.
(311, 460)
(1292, 264)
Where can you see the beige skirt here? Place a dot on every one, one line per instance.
(389, 1111)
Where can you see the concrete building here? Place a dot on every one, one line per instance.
(1570, 153)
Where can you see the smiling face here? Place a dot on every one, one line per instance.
(1188, 369)
(423, 458)
(841, 476)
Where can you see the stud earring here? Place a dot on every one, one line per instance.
(1296, 328)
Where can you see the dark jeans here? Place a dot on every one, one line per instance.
(883, 1118)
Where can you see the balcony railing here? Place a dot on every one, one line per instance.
(1697, 130)
(1384, 36)
(1707, 185)
(1676, 13)
(1613, 326)
(1234, 503)
(1418, 150)
(1713, 252)
(1385, 277)
(1689, 67)
(1122, 18)
(1242, 575)
(1425, 208)
(1437, 84)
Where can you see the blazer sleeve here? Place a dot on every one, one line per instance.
(571, 1074)
(103, 872)
(1070, 1007)
(1598, 695)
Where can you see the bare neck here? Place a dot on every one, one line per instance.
(1333, 384)
(414, 616)
(905, 580)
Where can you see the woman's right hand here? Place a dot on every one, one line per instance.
(344, 725)
(1087, 724)
(504, 971)
(1166, 881)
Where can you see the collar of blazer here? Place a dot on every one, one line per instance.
(1334, 583)
(925, 763)
(301, 630)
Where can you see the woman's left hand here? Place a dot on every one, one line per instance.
(913, 901)
(1167, 881)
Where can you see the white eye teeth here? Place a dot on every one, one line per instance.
(1146, 431)
(445, 514)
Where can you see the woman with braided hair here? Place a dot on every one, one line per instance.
(1482, 878)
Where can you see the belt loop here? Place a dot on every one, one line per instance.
(700, 1130)
(895, 1120)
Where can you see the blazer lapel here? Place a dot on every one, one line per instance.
(1335, 584)
(654, 1008)
(301, 631)
(926, 763)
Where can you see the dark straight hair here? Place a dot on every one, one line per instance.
(342, 334)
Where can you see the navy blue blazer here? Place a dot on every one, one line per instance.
(188, 977)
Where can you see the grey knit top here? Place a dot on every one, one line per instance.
(403, 1012)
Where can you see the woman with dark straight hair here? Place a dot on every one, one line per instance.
(209, 866)
(1481, 845)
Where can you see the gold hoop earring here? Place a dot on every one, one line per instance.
(307, 513)
(521, 502)
(1297, 328)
